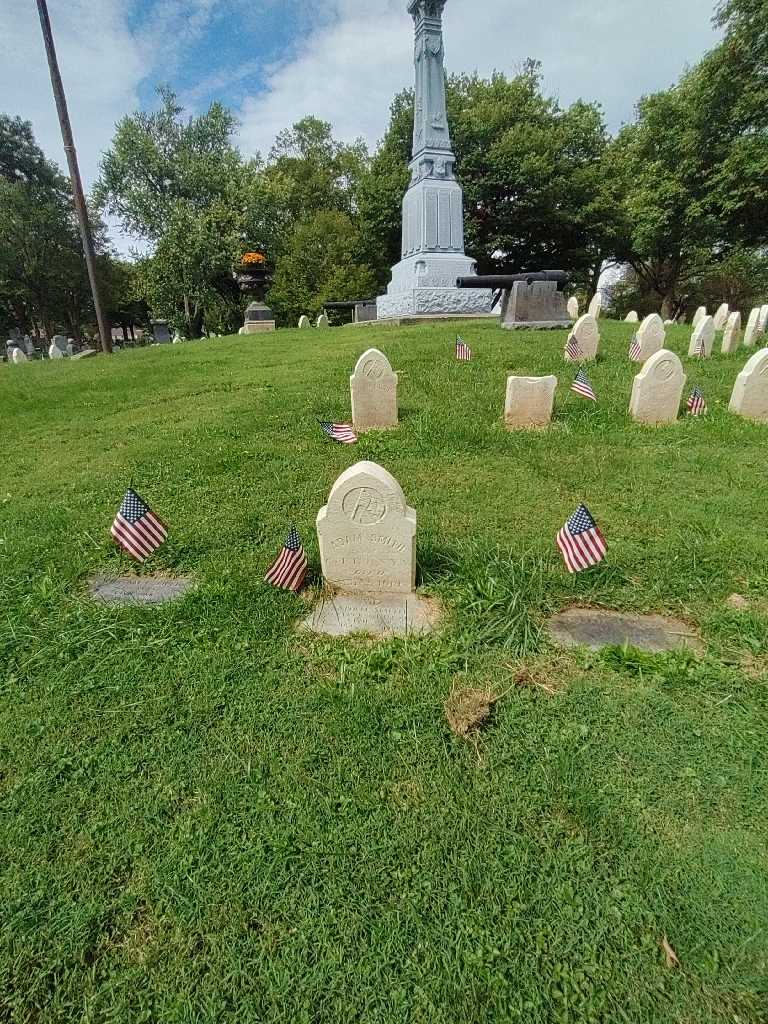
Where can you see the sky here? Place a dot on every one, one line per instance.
(273, 61)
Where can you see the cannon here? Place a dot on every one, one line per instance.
(535, 299)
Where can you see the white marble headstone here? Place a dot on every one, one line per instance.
(750, 394)
(367, 534)
(529, 402)
(732, 334)
(596, 306)
(632, 317)
(651, 335)
(322, 321)
(304, 322)
(763, 321)
(373, 387)
(573, 308)
(752, 331)
(721, 316)
(657, 390)
(54, 352)
(703, 338)
(698, 316)
(18, 356)
(587, 336)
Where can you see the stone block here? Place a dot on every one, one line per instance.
(304, 322)
(721, 316)
(632, 318)
(752, 331)
(536, 305)
(698, 316)
(529, 402)
(596, 306)
(258, 327)
(573, 307)
(323, 322)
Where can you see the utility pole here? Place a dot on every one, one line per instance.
(74, 173)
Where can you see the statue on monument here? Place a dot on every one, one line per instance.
(424, 282)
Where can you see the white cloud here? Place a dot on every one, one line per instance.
(352, 64)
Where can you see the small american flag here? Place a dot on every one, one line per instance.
(290, 569)
(136, 528)
(582, 386)
(572, 349)
(580, 541)
(696, 404)
(635, 350)
(701, 348)
(463, 351)
(341, 432)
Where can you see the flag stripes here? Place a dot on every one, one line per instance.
(290, 569)
(580, 541)
(343, 433)
(463, 351)
(136, 529)
(583, 386)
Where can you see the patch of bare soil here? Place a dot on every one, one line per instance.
(468, 710)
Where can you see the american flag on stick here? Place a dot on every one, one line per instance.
(580, 541)
(341, 432)
(583, 386)
(572, 348)
(290, 569)
(136, 528)
(701, 348)
(635, 350)
(696, 404)
(463, 351)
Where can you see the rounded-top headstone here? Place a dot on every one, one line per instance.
(17, 356)
(657, 389)
(721, 316)
(596, 306)
(750, 394)
(304, 322)
(54, 352)
(632, 317)
(763, 321)
(373, 388)
(573, 308)
(651, 336)
(698, 316)
(586, 334)
(322, 321)
(732, 334)
(367, 533)
(60, 342)
(703, 338)
(752, 331)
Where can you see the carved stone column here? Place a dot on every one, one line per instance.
(424, 282)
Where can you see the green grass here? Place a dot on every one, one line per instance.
(206, 817)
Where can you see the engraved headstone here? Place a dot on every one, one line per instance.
(586, 334)
(596, 306)
(529, 402)
(651, 335)
(721, 316)
(322, 321)
(657, 389)
(750, 394)
(732, 334)
(138, 589)
(304, 322)
(367, 534)
(703, 338)
(632, 317)
(752, 331)
(698, 316)
(573, 308)
(373, 387)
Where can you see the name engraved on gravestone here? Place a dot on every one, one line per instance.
(379, 615)
(367, 533)
(373, 390)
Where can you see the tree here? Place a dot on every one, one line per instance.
(21, 159)
(321, 263)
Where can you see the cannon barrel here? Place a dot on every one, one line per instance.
(506, 281)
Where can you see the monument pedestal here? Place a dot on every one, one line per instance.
(425, 285)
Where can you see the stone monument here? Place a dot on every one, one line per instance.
(373, 387)
(632, 317)
(424, 282)
(657, 390)
(750, 394)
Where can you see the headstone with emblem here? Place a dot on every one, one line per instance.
(373, 387)
(657, 390)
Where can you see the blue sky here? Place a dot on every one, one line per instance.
(273, 61)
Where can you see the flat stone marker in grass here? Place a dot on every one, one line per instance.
(373, 389)
(651, 335)
(529, 402)
(595, 628)
(138, 589)
(657, 390)
(750, 393)
(732, 334)
(703, 339)
(587, 336)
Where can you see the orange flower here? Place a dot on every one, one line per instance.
(254, 257)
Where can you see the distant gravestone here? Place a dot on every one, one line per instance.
(586, 335)
(367, 534)
(651, 335)
(721, 316)
(17, 356)
(703, 338)
(60, 342)
(698, 316)
(763, 322)
(596, 306)
(87, 353)
(657, 389)
(373, 388)
(632, 317)
(54, 352)
(322, 321)
(752, 330)
(529, 402)
(732, 334)
(304, 322)
(750, 394)
(29, 345)
(573, 308)
(160, 332)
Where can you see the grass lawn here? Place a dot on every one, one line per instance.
(207, 817)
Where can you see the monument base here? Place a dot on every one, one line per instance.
(373, 614)
(538, 306)
(259, 327)
(425, 285)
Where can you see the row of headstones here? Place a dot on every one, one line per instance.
(322, 322)
(60, 348)
(656, 393)
(651, 336)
